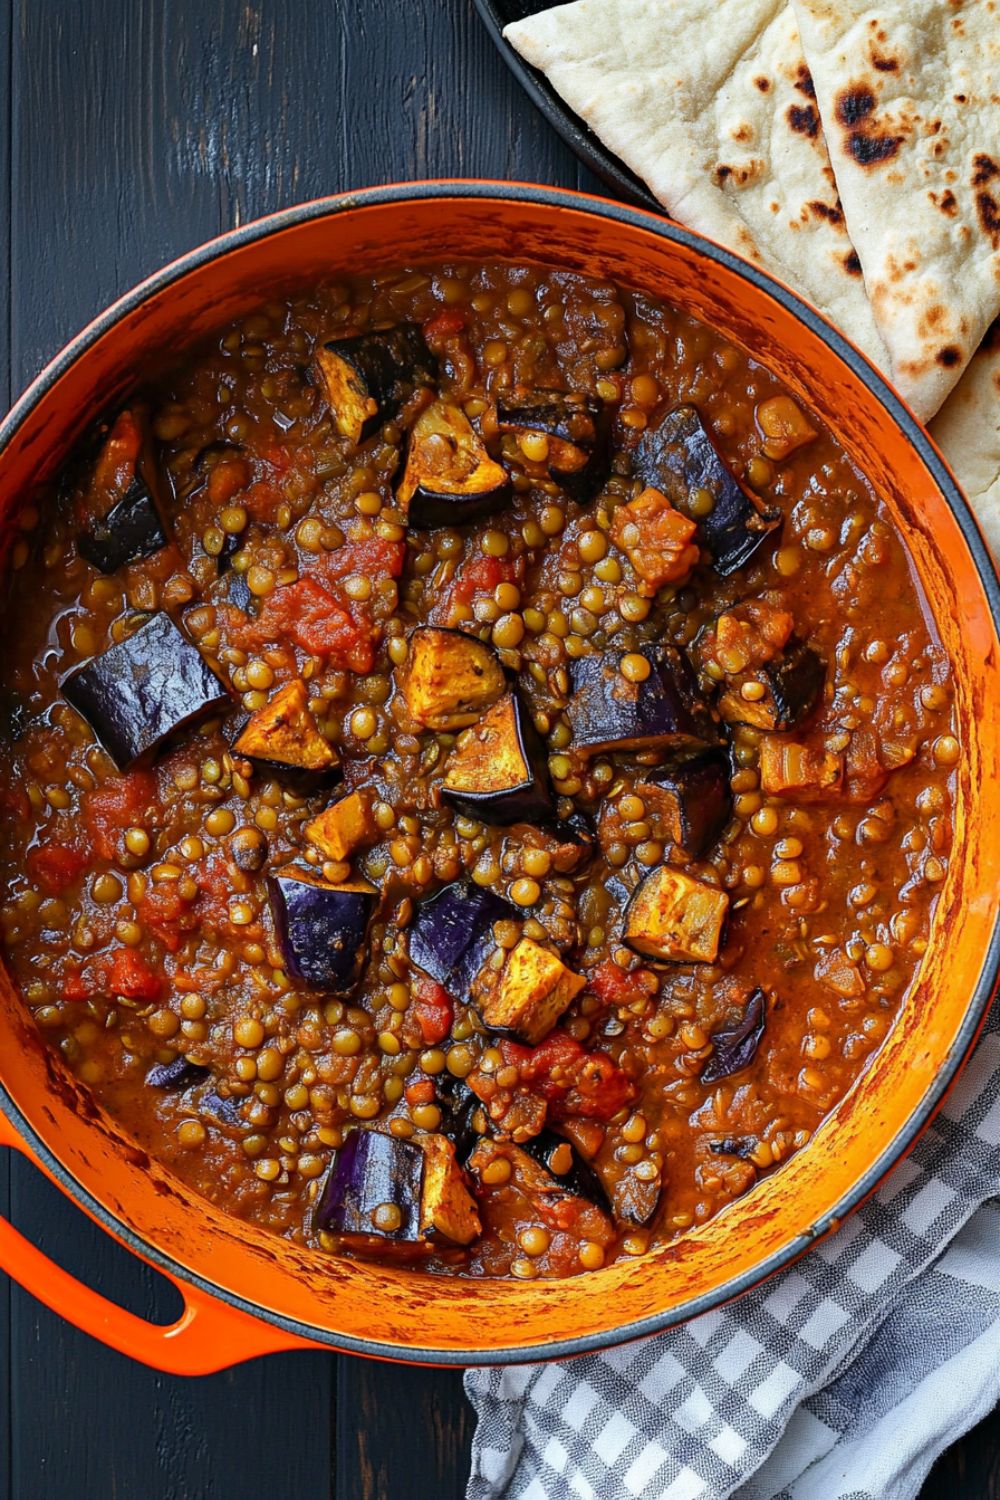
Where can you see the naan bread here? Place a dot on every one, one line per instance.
(967, 430)
(909, 95)
(710, 102)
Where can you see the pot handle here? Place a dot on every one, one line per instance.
(209, 1335)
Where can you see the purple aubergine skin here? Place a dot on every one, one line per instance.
(677, 455)
(451, 934)
(142, 690)
(321, 930)
(390, 362)
(130, 530)
(557, 414)
(581, 1180)
(667, 707)
(177, 1074)
(704, 798)
(796, 677)
(369, 1170)
(735, 1047)
(531, 801)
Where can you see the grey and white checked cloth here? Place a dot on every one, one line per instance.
(841, 1379)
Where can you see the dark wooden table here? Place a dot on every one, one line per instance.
(132, 130)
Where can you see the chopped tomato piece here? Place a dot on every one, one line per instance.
(133, 977)
(119, 804)
(115, 467)
(443, 324)
(573, 1080)
(617, 986)
(599, 1090)
(310, 616)
(74, 987)
(421, 1092)
(433, 1010)
(163, 912)
(477, 579)
(55, 866)
(372, 558)
(229, 477)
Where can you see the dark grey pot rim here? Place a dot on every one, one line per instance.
(980, 1000)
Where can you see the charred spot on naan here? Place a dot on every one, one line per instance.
(984, 171)
(867, 143)
(949, 356)
(804, 119)
(852, 263)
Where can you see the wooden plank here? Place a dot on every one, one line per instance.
(401, 1431)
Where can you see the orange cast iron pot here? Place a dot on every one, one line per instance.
(247, 1292)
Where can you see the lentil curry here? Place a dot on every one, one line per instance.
(480, 770)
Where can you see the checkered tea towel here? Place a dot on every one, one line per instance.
(841, 1379)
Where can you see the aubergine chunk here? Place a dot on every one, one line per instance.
(690, 803)
(449, 478)
(130, 530)
(449, 678)
(677, 455)
(447, 1207)
(567, 1166)
(344, 826)
(451, 934)
(536, 1194)
(608, 711)
(126, 486)
(635, 1199)
(530, 993)
(374, 1187)
(497, 770)
(179, 1073)
(675, 918)
(322, 928)
(367, 378)
(578, 429)
(397, 1191)
(142, 690)
(781, 693)
(285, 733)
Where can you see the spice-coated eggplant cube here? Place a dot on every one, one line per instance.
(143, 689)
(367, 378)
(345, 826)
(449, 678)
(497, 770)
(676, 918)
(285, 732)
(533, 990)
(449, 478)
(677, 455)
(447, 1207)
(609, 711)
(322, 928)
(451, 935)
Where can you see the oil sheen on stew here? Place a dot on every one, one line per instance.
(479, 770)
